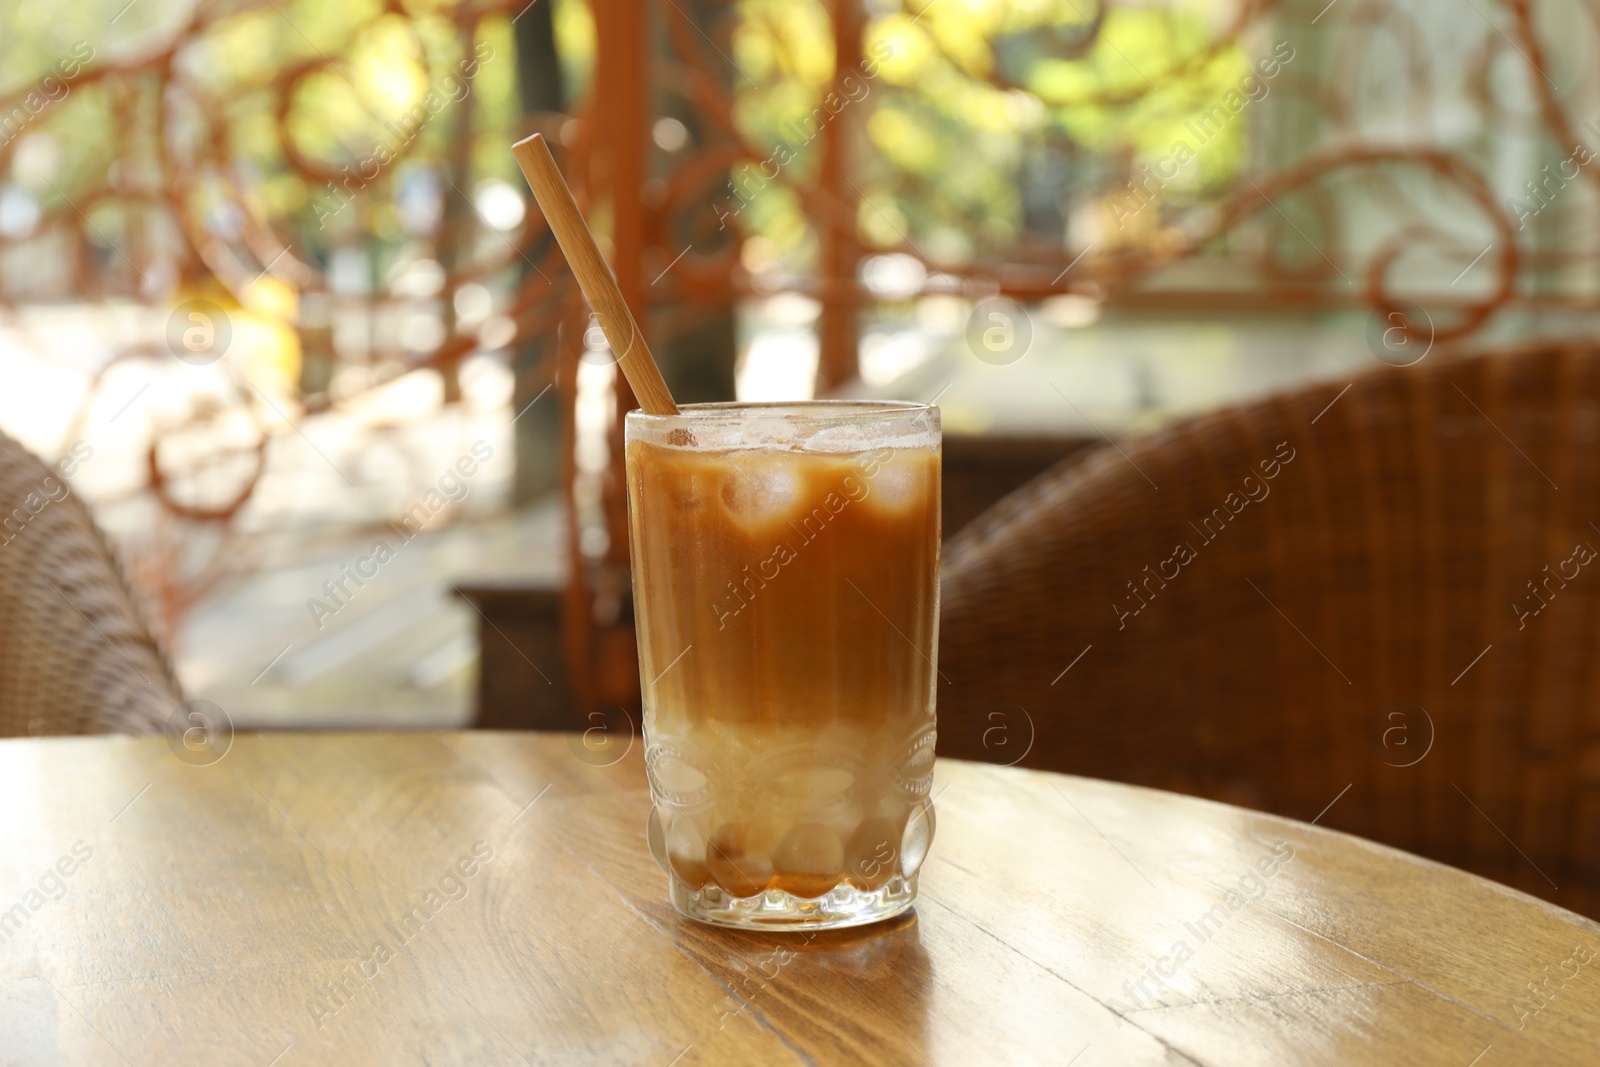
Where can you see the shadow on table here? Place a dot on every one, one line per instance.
(840, 991)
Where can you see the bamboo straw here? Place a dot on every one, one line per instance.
(594, 277)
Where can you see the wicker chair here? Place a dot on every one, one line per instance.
(75, 655)
(1401, 607)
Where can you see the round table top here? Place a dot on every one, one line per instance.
(482, 898)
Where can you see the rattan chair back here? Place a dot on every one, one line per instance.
(1389, 585)
(75, 654)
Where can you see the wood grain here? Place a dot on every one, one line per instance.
(487, 898)
(594, 277)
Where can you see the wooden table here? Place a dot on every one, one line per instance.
(487, 899)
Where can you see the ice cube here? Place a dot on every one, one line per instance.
(813, 780)
(873, 853)
(899, 484)
(759, 490)
(809, 860)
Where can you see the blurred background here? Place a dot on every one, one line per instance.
(269, 274)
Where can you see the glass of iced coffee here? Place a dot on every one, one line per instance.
(786, 592)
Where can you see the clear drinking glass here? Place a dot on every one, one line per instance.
(786, 592)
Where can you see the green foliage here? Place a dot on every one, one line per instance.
(970, 90)
(955, 103)
(345, 76)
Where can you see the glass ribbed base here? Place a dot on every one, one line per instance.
(778, 910)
